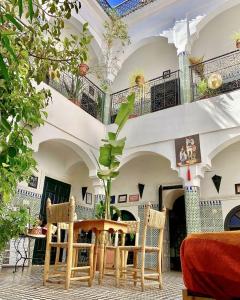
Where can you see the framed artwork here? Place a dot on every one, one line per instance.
(89, 198)
(133, 198)
(112, 199)
(33, 181)
(122, 198)
(166, 74)
(237, 188)
(188, 150)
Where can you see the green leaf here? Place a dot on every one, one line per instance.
(125, 110)
(7, 45)
(105, 155)
(111, 136)
(3, 68)
(20, 7)
(30, 9)
(12, 152)
(14, 21)
(5, 124)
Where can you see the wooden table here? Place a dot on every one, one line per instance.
(99, 227)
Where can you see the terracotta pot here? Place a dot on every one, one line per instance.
(35, 230)
(75, 101)
(238, 44)
(139, 80)
(83, 69)
(109, 259)
(133, 116)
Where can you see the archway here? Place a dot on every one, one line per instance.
(232, 221)
(177, 231)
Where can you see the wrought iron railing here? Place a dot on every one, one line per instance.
(126, 7)
(82, 92)
(216, 76)
(156, 94)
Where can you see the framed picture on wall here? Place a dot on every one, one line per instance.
(122, 198)
(237, 188)
(89, 198)
(133, 198)
(33, 181)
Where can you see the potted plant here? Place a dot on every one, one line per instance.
(84, 43)
(13, 222)
(197, 64)
(111, 150)
(236, 38)
(74, 86)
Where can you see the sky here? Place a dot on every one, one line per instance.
(114, 2)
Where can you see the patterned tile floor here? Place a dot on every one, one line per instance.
(28, 286)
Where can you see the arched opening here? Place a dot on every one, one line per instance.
(232, 221)
(177, 231)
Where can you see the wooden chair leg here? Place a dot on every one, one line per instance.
(46, 264)
(135, 265)
(57, 258)
(159, 270)
(91, 252)
(142, 271)
(116, 263)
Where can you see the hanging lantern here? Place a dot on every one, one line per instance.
(215, 81)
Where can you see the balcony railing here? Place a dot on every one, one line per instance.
(156, 94)
(126, 7)
(82, 92)
(222, 71)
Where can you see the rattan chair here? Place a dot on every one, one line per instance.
(152, 219)
(64, 213)
(133, 229)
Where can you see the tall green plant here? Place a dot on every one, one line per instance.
(31, 44)
(112, 149)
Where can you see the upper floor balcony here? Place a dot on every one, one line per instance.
(82, 92)
(216, 76)
(156, 94)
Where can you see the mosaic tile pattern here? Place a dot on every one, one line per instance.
(84, 212)
(192, 208)
(211, 216)
(28, 286)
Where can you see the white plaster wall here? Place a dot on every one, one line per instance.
(152, 59)
(227, 165)
(79, 178)
(71, 120)
(205, 116)
(149, 169)
(216, 37)
(53, 159)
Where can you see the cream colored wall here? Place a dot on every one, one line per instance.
(79, 178)
(215, 38)
(149, 169)
(227, 165)
(152, 59)
(57, 161)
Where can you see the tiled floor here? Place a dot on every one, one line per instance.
(28, 286)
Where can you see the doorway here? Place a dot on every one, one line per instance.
(58, 192)
(177, 231)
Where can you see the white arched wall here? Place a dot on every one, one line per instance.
(215, 31)
(150, 169)
(78, 175)
(226, 164)
(152, 56)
